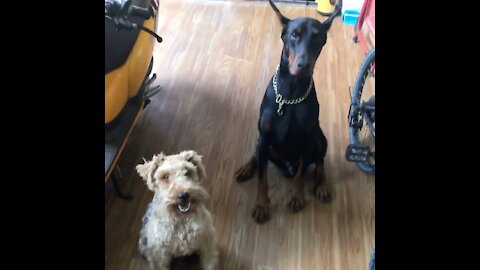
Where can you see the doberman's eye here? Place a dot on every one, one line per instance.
(295, 34)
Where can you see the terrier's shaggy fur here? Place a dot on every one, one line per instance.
(177, 222)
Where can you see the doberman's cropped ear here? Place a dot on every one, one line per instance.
(284, 20)
(328, 22)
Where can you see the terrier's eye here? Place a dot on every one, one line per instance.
(294, 34)
(165, 177)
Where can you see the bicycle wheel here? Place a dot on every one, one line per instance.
(362, 113)
(371, 263)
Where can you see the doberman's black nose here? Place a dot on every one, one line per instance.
(184, 196)
(302, 64)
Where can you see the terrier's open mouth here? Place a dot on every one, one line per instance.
(184, 207)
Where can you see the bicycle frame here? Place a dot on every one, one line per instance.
(366, 110)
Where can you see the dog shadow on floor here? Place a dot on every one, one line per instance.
(186, 263)
(193, 262)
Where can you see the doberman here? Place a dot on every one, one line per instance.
(289, 129)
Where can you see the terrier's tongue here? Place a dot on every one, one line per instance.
(184, 207)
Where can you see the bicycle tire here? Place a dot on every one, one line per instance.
(356, 99)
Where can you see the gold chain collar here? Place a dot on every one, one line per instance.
(279, 98)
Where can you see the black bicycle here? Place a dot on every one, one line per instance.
(361, 117)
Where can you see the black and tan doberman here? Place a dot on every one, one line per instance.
(289, 130)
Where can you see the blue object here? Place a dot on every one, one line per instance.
(351, 10)
(350, 17)
(371, 264)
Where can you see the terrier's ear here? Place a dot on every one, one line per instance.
(194, 158)
(148, 168)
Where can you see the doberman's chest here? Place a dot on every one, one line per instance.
(289, 131)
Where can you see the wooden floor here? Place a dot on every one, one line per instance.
(214, 64)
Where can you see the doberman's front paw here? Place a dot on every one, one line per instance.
(323, 193)
(261, 213)
(296, 203)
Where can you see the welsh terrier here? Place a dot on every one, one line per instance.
(177, 222)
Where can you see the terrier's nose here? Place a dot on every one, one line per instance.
(184, 196)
